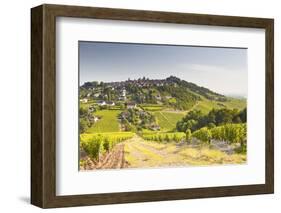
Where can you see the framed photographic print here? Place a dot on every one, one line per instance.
(136, 106)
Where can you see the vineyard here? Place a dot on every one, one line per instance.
(163, 136)
(105, 145)
(97, 144)
(168, 120)
(153, 135)
(231, 133)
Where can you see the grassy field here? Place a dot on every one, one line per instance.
(151, 107)
(86, 105)
(236, 103)
(168, 120)
(107, 123)
(206, 105)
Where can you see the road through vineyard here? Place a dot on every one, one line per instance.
(139, 153)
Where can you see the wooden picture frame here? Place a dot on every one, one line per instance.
(43, 105)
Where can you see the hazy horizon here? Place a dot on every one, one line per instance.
(222, 70)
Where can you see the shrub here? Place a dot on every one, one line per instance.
(203, 134)
(188, 135)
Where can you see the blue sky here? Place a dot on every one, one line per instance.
(223, 70)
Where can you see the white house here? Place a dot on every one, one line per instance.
(96, 119)
(158, 97)
(124, 92)
(96, 95)
(110, 103)
(131, 105)
(101, 103)
(84, 100)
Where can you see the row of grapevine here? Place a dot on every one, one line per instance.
(232, 133)
(95, 145)
(162, 136)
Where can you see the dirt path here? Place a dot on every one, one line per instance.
(140, 153)
(112, 160)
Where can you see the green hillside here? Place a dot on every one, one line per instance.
(168, 120)
(153, 104)
(206, 105)
(107, 123)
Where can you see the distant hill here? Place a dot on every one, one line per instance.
(170, 92)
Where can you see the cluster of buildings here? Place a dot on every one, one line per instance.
(141, 82)
(106, 103)
(128, 105)
(96, 91)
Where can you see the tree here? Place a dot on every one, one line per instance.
(180, 126)
(212, 116)
(211, 125)
(83, 125)
(237, 119)
(243, 115)
(203, 134)
(107, 91)
(223, 116)
(188, 135)
(195, 120)
(191, 124)
(82, 112)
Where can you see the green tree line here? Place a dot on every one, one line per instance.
(195, 119)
